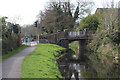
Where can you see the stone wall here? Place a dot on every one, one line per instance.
(56, 37)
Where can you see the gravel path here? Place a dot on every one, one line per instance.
(11, 67)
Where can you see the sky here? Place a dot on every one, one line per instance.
(25, 11)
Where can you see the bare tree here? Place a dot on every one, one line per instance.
(85, 7)
(63, 15)
(28, 30)
(14, 19)
(110, 17)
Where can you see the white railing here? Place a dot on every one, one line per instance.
(77, 33)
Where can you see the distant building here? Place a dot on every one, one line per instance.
(99, 10)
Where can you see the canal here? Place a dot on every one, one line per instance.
(70, 66)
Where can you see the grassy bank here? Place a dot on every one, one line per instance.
(74, 46)
(13, 52)
(41, 63)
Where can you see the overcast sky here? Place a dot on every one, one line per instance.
(25, 11)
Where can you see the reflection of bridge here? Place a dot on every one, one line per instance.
(64, 38)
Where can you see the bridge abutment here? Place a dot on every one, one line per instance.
(81, 48)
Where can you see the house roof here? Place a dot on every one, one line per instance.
(98, 10)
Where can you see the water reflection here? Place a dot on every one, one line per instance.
(70, 66)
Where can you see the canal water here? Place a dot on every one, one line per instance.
(71, 66)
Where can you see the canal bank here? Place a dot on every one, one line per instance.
(52, 61)
(72, 67)
(91, 67)
(41, 63)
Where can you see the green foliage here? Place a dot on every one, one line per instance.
(53, 21)
(103, 50)
(7, 43)
(91, 22)
(16, 29)
(104, 47)
(115, 37)
(9, 39)
(41, 63)
(74, 46)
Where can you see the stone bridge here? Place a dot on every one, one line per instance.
(64, 38)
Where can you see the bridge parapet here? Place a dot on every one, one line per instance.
(55, 37)
(77, 33)
(66, 35)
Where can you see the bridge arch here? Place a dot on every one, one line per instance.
(64, 38)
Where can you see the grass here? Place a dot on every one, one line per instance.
(13, 52)
(74, 46)
(41, 63)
